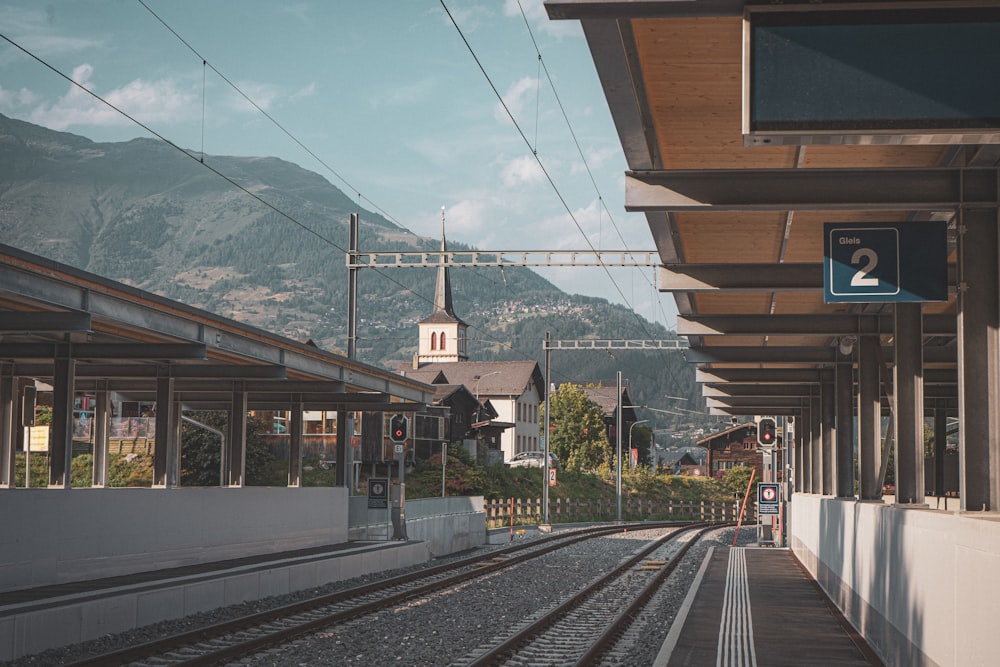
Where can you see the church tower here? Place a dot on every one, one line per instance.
(442, 333)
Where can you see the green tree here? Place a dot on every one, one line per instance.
(576, 433)
(201, 453)
(736, 480)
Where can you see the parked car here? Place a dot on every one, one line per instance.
(533, 460)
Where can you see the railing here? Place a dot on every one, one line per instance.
(518, 511)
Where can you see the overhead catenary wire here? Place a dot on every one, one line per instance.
(200, 160)
(541, 67)
(541, 165)
(569, 125)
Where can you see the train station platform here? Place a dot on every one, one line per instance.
(757, 606)
(36, 619)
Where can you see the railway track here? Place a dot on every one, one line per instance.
(586, 626)
(232, 640)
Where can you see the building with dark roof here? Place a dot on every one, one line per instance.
(513, 390)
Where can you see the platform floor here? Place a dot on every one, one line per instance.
(757, 606)
(33, 620)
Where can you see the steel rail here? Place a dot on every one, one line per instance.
(509, 646)
(480, 565)
(629, 614)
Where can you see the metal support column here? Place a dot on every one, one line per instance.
(295, 442)
(102, 423)
(618, 454)
(166, 442)
(869, 419)
(545, 433)
(844, 387)
(828, 441)
(978, 360)
(8, 426)
(61, 440)
(234, 461)
(908, 394)
(816, 444)
(805, 444)
(174, 463)
(352, 289)
(940, 443)
(801, 438)
(343, 474)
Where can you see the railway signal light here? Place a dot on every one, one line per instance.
(397, 428)
(767, 432)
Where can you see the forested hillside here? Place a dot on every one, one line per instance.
(145, 214)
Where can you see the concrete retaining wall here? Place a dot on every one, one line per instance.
(921, 585)
(56, 536)
(447, 525)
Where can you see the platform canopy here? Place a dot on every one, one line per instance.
(738, 220)
(125, 340)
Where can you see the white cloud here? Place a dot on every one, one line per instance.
(150, 102)
(262, 94)
(596, 158)
(521, 171)
(306, 91)
(469, 219)
(12, 101)
(403, 95)
(516, 97)
(538, 18)
(36, 31)
(468, 18)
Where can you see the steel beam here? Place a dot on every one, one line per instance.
(42, 322)
(716, 390)
(722, 354)
(798, 277)
(806, 325)
(854, 189)
(757, 405)
(590, 11)
(741, 277)
(763, 375)
(614, 344)
(772, 354)
(81, 351)
(153, 371)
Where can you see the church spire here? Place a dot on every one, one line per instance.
(442, 333)
(442, 290)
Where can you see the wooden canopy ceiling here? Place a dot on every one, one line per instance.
(739, 233)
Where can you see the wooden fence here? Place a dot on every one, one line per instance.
(529, 511)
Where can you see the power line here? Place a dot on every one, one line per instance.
(538, 160)
(256, 106)
(221, 175)
(579, 149)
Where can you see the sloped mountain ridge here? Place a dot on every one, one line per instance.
(143, 213)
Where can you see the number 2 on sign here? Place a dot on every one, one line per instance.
(863, 277)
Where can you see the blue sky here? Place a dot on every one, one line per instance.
(386, 94)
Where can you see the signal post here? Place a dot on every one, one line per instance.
(769, 505)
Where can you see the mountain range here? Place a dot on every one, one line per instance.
(263, 241)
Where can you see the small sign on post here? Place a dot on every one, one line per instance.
(552, 476)
(768, 498)
(378, 493)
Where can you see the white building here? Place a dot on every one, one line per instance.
(515, 388)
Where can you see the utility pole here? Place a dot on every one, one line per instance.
(545, 437)
(352, 289)
(618, 458)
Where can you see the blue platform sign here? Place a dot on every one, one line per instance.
(885, 262)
